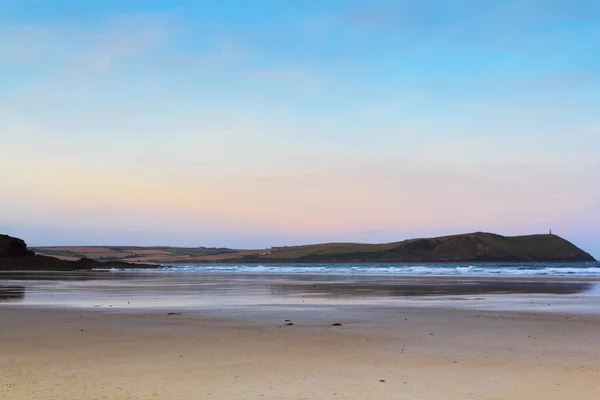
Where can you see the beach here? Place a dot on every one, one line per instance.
(387, 346)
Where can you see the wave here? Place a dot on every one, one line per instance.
(503, 269)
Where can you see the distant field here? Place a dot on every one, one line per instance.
(141, 254)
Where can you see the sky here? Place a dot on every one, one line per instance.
(258, 123)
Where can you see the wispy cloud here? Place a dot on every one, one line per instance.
(83, 50)
(302, 80)
(125, 37)
(24, 44)
(223, 51)
(376, 110)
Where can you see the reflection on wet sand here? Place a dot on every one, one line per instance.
(12, 293)
(130, 289)
(431, 288)
(63, 276)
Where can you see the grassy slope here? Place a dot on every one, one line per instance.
(133, 253)
(468, 247)
(477, 246)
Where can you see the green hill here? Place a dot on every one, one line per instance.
(475, 247)
(479, 246)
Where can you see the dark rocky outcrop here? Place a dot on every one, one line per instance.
(13, 247)
(14, 255)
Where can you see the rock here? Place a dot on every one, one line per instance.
(382, 380)
(13, 247)
(336, 324)
(14, 255)
(290, 323)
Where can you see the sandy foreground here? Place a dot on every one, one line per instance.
(381, 351)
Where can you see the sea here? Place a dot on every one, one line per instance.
(583, 270)
(567, 287)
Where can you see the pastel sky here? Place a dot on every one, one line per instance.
(255, 123)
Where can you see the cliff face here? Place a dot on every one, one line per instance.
(13, 247)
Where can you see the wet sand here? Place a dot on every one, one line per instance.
(195, 347)
(133, 290)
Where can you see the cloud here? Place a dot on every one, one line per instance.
(23, 44)
(409, 18)
(81, 51)
(305, 81)
(528, 28)
(125, 37)
(222, 51)
(376, 110)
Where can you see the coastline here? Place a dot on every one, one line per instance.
(410, 262)
(467, 247)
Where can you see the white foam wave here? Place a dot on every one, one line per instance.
(581, 270)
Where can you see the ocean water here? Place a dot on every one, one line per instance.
(591, 270)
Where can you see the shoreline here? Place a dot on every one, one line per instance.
(311, 274)
(278, 262)
(145, 290)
